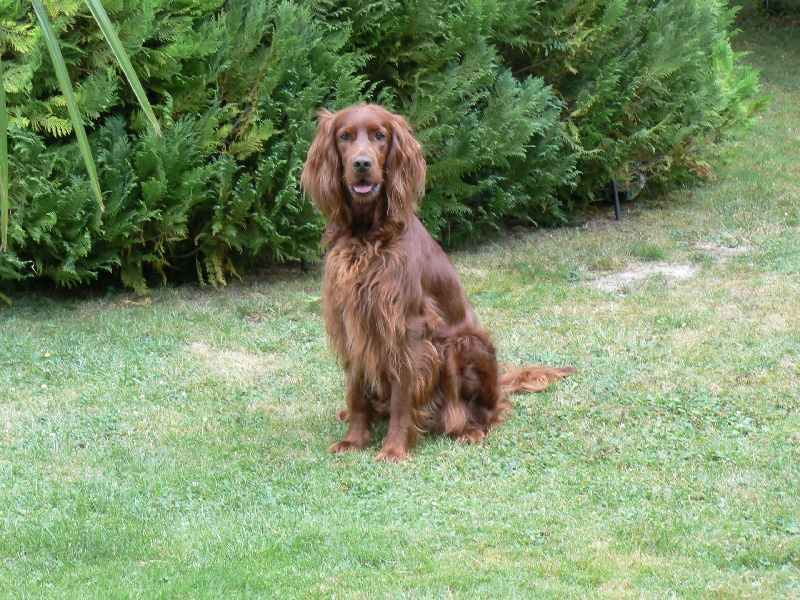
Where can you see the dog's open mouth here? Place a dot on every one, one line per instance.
(364, 189)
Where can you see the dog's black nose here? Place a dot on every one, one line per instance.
(362, 164)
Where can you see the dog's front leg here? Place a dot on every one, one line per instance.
(402, 434)
(359, 416)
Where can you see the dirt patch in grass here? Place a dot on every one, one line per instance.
(721, 252)
(231, 364)
(619, 281)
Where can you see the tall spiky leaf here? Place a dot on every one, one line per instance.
(3, 165)
(112, 38)
(69, 97)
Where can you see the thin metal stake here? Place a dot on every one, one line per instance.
(615, 191)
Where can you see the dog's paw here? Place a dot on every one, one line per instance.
(471, 436)
(346, 445)
(391, 455)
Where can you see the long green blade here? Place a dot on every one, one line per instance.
(111, 36)
(69, 96)
(3, 165)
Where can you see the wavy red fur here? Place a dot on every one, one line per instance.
(395, 310)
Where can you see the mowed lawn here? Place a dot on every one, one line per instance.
(175, 446)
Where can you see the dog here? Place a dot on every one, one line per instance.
(396, 313)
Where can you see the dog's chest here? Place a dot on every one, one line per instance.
(365, 300)
(364, 278)
(374, 316)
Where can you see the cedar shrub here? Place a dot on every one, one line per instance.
(526, 111)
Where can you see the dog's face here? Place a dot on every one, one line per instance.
(363, 156)
(363, 138)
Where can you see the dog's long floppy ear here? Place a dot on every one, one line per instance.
(405, 170)
(322, 173)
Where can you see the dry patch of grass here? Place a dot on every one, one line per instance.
(723, 253)
(624, 279)
(234, 365)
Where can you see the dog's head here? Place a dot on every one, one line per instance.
(360, 156)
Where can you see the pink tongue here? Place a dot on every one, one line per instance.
(363, 188)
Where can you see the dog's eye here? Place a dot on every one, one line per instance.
(344, 137)
(380, 136)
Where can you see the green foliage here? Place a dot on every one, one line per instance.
(3, 164)
(68, 96)
(493, 143)
(651, 87)
(238, 88)
(525, 110)
(779, 7)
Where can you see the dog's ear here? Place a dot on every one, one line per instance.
(405, 170)
(322, 173)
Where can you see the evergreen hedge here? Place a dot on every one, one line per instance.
(780, 7)
(649, 87)
(526, 110)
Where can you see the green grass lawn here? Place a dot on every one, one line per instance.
(175, 447)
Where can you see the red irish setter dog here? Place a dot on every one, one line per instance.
(395, 310)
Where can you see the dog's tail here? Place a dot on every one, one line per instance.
(532, 378)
